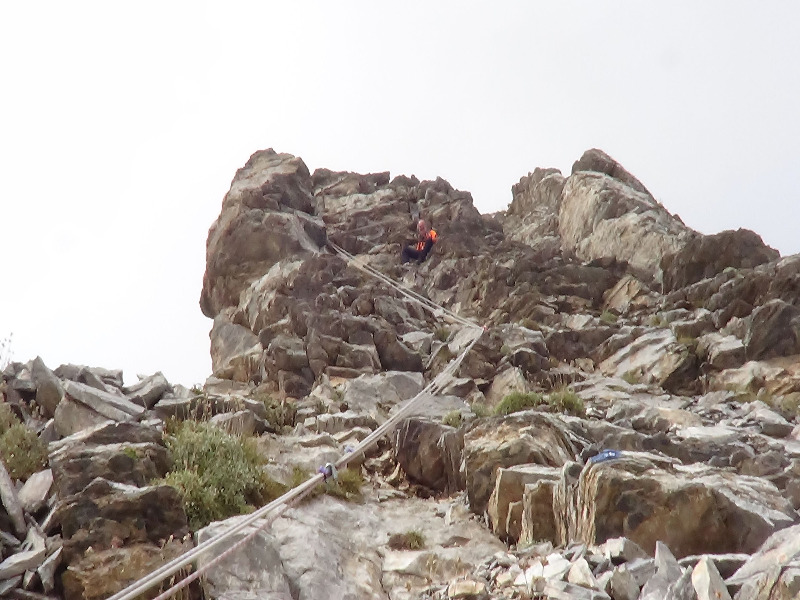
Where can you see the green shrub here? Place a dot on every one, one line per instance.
(130, 452)
(567, 401)
(517, 401)
(479, 409)
(608, 317)
(631, 377)
(453, 419)
(280, 413)
(347, 486)
(409, 540)
(7, 417)
(21, 450)
(442, 334)
(218, 474)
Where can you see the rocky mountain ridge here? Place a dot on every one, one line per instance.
(658, 454)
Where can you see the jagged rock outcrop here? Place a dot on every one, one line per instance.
(704, 256)
(266, 216)
(664, 367)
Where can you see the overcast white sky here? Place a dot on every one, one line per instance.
(122, 125)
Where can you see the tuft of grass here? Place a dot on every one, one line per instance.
(567, 401)
(130, 452)
(529, 323)
(608, 317)
(658, 321)
(408, 540)
(453, 419)
(21, 450)
(280, 413)
(687, 340)
(442, 334)
(517, 401)
(631, 377)
(445, 354)
(219, 475)
(480, 410)
(347, 486)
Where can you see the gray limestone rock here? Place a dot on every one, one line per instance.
(35, 491)
(49, 390)
(707, 581)
(253, 569)
(149, 390)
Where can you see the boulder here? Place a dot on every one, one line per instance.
(626, 294)
(49, 390)
(707, 581)
(72, 417)
(394, 354)
(266, 216)
(79, 373)
(704, 256)
(109, 432)
(430, 454)
(721, 352)
(18, 563)
(654, 357)
(537, 521)
(774, 330)
(375, 395)
(135, 464)
(106, 514)
(254, 570)
(504, 383)
(99, 574)
(110, 406)
(601, 216)
(521, 483)
(148, 390)
(527, 437)
(668, 576)
(693, 509)
(342, 421)
(35, 491)
(596, 160)
(770, 567)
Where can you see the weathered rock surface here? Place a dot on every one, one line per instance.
(521, 438)
(705, 256)
(692, 509)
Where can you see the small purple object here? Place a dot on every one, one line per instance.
(328, 470)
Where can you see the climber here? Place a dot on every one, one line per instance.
(426, 240)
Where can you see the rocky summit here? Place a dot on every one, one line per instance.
(625, 428)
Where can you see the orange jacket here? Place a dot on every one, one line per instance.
(431, 235)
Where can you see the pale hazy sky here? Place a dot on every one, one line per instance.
(122, 125)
